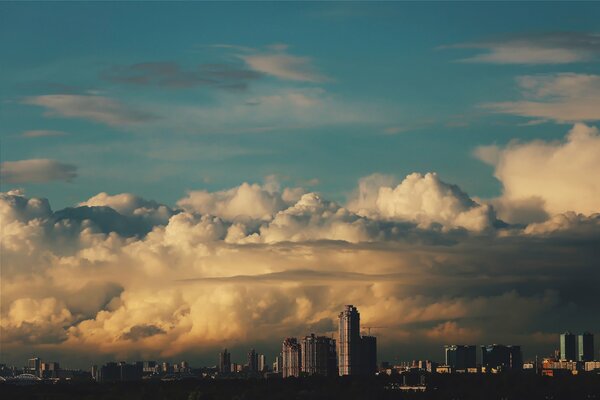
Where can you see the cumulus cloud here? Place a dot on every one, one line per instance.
(548, 177)
(37, 170)
(541, 48)
(245, 201)
(424, 200)
(94, 108)
(565, 97)
(248, 266)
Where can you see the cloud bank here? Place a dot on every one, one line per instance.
(119, 276)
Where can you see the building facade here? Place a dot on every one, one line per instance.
(461, 357)
(501, 358)
(568, 347)
(349, 341)
(585, 344)
(368, 355)
(224, 362)
(252, 361)
(318, 355)
(291, 353)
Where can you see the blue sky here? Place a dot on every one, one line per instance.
(319, 94)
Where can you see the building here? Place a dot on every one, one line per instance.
(34, 366)
(49, 370)
(109, 372)
(224, 362)
(498, 357)
(368, 355)
(349, 341)
(292, 358)
(568, 347)
(585, 345)
(262, 363)
(461, 357)
(318, 355)
(252, 361)
(277, 364)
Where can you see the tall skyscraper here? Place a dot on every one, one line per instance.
(318, 355)
(291, 353)
(262, 363)
(585, 344)
(368, 355)
(568, 347)
(349, 341)
(252, 361)
(224, 362)
(461, 357)
(498, 356)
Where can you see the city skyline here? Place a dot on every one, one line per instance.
(180, 178)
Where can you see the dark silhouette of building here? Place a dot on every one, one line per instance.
(252, 361)
(224, 362)
(585, 343)
(568, 347)
(318, 355)
(368, 355)
(49, 370)
(501, 357)
(461, 357)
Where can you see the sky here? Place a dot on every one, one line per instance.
(181, 177)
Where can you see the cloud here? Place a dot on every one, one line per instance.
(548, 177)
(38, 170)
(424, 200)
(248, 266)
(42, 133)
(570, 222)
(542, 48)
(566, 97)
(138, 332)
(284, 66)
(245, 201)
(94, 108)
(171, 75)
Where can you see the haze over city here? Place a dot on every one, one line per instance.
(180, 178)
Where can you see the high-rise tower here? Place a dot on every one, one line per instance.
(568, 347)
(224, 362)
(585, 343)
(349, 342)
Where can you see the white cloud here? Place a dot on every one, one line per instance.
(569, 221)
(424, 200)
(554, 176)
(284, 66)
(560, 97)
(546, 48)
(132, 205)
(36, 171)
(245, 201)
(94, 108)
